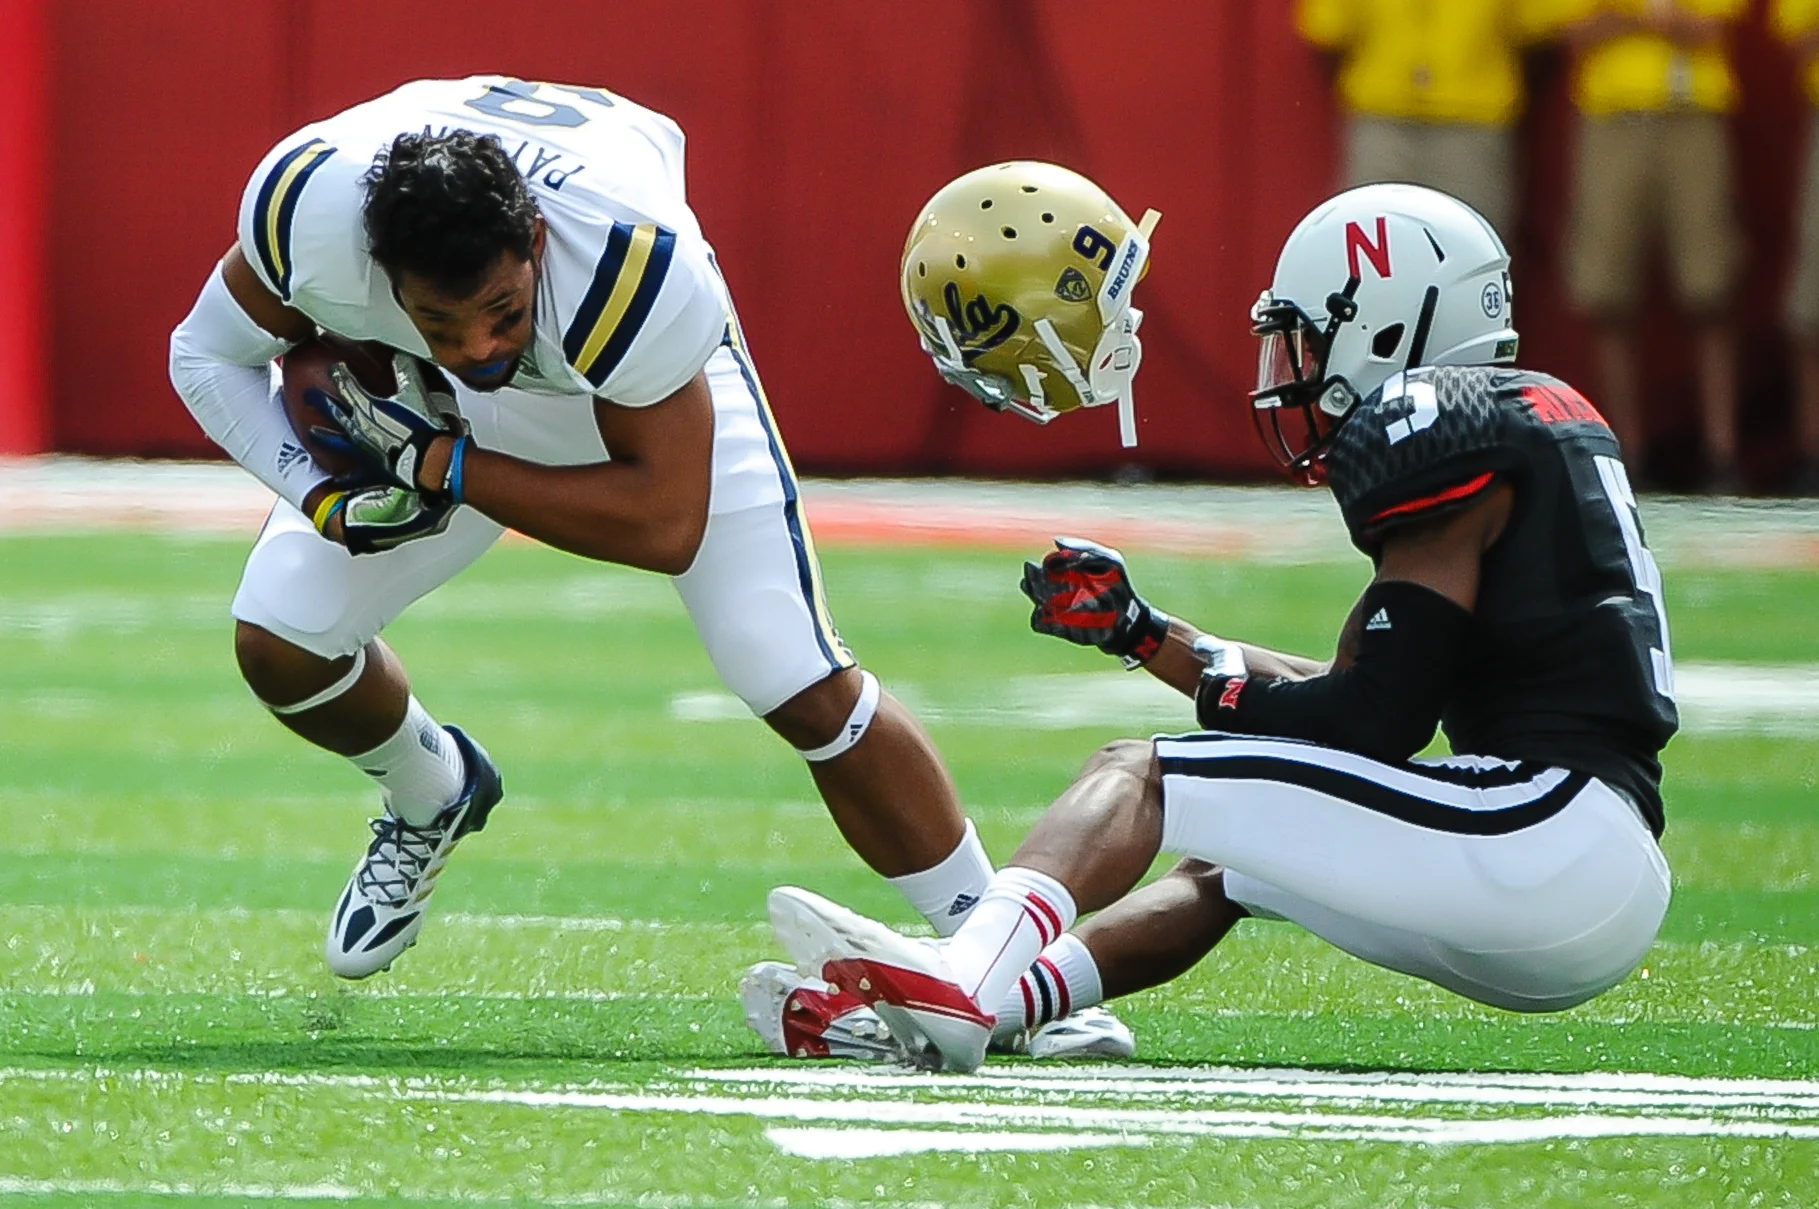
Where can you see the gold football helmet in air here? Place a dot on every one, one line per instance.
(1018, 277)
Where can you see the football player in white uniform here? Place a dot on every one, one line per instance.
(534, 242)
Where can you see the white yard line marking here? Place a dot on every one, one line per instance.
(840, 1081)
(1591, 1088)
(889, 1143)
(1172, 1121)
(1054, 1109)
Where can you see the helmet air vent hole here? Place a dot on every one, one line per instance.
(1029, 188)
(1046, 217)
(1010, 232)
(986, 204)
(959, 262)
(1384, 345)
(922, 268)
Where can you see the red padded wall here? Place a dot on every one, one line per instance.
(817, 128)
(23, 157)
(158, 114)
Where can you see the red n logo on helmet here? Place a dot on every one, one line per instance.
(1377, 253)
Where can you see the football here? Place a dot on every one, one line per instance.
(306, 366)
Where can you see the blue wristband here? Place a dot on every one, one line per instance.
(457, 464)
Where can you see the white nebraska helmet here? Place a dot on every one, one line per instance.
(1377, 280)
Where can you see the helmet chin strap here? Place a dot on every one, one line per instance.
(989, 389)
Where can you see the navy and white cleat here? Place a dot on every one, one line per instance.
(382, 909)
(799, 1017)
(1088, 1033)
(934, 1023)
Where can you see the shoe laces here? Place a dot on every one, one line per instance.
(398, 857)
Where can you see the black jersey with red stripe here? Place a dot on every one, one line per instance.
(1568, 661)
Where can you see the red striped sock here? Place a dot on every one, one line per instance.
(1063, 979)
(1022, 913)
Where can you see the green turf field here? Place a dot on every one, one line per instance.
(567, 1034)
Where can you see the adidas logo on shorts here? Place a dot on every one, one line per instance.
(1380, 620)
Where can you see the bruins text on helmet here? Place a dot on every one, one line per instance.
(1377, 280)
(1018, 277)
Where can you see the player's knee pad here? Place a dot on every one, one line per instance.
(857, 723)
(340, 686)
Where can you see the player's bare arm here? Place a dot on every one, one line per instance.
(1179, 665)
(1083, 594)
(1445, 554)
(646, 508)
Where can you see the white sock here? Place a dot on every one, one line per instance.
(419, 768)
(1022, 913)
(1062, 981)
(947, 893)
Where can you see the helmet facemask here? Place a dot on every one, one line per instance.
(1297, 405)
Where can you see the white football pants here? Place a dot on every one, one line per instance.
(1516, 885)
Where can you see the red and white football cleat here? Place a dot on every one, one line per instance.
(906, 980)
(799, 1017)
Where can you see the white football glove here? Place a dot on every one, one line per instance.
(381, 517)
(392, 434)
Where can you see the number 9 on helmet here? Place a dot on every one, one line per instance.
(1018, 277)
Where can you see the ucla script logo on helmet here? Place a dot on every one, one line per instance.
(978, 326)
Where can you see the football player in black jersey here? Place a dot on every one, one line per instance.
(1514, 606)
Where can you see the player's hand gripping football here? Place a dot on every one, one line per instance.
(1083, 593)
(370, 518)
(390, 435)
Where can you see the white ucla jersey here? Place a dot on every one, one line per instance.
(630, 305)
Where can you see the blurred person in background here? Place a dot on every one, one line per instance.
(1653, 85)
(1797, 21)
(1431, 91)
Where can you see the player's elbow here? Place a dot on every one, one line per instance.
(665, 544)
(673, 557)
(675, 531)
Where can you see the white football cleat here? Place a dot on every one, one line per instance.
(381, 911)
(906, 980)
(1088, 1033)
(799, 1017)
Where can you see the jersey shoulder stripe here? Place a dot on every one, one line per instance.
(1427, 503)
(277, 205)
(625, 287)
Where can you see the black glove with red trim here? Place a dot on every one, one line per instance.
(1083, 594)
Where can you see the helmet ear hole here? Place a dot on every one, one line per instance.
(1385, 343)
